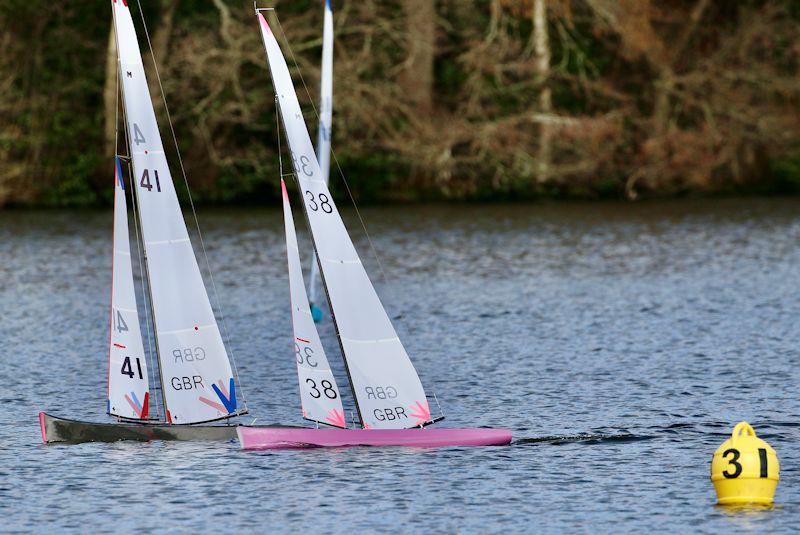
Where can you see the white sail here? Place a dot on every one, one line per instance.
(325, 123)
(196, 375)
(319, 393)
(387, 389)
(128, 383)
(326, 96)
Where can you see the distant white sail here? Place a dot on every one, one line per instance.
(388, 391)
(325, 123)
(196, 375)
(326, 96)
(319, 393)
(128, 383)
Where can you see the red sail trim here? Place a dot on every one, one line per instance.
(145, 406)
(111, 296)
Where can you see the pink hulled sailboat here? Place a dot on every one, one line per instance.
(390, 400)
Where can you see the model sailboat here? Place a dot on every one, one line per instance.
(197, 383)
(388, 394)
(323, 136)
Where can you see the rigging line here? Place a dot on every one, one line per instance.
(191, 203)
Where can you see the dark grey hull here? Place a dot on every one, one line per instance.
(56, 429)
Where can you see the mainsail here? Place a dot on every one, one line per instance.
(387, 389)
(325, 122)
(319, 393)
(196, 377)
(128, 383)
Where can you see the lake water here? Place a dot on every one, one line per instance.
(619, 342)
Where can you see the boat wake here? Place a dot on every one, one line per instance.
(582, 438)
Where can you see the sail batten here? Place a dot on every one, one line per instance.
(387, 389)
(192, 357)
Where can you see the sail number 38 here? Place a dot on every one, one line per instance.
(322, 202)
(325, 385)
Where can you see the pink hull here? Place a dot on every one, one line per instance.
(262, 438)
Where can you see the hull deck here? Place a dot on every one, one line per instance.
(262, 438)
(56, 429)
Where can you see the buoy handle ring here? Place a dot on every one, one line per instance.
(742, 428)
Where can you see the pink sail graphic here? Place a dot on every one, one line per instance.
(421, 411)
(336, 418)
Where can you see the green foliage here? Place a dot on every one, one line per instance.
(786, 173)
(370, 177)
(481, 137)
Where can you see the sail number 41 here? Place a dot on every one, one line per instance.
(127, 369)
(146, 183)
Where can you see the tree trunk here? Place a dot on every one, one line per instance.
(160, 42)
(110, 95)
(542, 51)
(417, 77)
(663, 88)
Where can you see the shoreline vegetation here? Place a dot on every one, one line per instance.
(434, 100)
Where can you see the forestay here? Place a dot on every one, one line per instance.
(128, 383)
(388, 391)
(325, 122)
(196, 375)
(319, 393)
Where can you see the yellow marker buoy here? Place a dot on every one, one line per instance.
(745, 468)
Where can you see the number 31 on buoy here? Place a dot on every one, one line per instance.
(745, 469)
